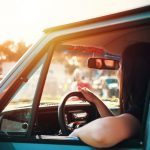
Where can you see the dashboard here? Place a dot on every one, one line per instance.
(46, 121)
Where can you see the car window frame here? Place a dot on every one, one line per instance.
(39, 89)
(21, 78)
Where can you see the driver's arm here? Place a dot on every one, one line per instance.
(108, 131)
(101, 107)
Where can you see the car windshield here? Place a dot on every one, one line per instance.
(70, 73)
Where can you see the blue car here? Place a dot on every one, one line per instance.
(36, 106)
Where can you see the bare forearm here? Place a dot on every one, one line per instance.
(87, 134)
(103, 110)
(101, 107)
(95, 133)
(108, 131)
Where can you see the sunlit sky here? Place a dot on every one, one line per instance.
(25, 19)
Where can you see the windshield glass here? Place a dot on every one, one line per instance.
(68, 72)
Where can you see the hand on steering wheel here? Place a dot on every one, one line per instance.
(61, 111)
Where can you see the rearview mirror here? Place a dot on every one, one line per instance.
(102, 63)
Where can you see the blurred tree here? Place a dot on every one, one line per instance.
(20, 49)
(5, 53)
(9, 51)
(9, 44)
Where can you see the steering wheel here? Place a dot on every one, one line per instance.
(61, 111)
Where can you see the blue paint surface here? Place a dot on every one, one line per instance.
(40, 146)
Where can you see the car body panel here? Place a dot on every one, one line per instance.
(57, 144)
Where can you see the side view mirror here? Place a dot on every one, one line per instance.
(102, 63)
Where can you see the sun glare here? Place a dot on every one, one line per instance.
(25, 19)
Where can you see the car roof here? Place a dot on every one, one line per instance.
(118, 38)
(101, 18)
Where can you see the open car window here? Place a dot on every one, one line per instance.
(12, 121)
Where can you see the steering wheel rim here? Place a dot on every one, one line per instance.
(61, 111)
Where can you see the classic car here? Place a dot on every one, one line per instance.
(36, 110)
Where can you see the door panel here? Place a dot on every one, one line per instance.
(51, 144)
